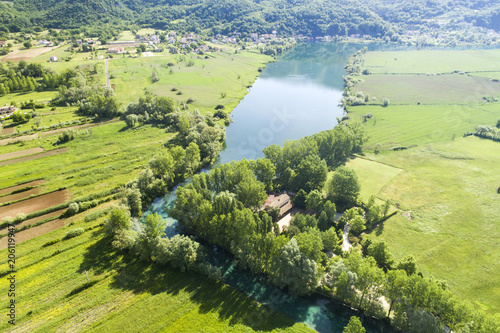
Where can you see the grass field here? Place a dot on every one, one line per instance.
(406, 125)
(429, 89)
(432, 61)
(373, 176)
(448, 183)
(450, 189)
(203, 81)
(125, 295)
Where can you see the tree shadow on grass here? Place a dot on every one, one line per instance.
(130, 274)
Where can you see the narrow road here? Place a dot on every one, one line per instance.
(107, 73)
(346, 245)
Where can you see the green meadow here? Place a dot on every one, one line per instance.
(429, 89)
(219, 78)
(122, 294)
(447, 184)
(431, 61)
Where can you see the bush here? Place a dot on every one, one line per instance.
(220, 114)
(219, 107)
(66, 136)
(190, 100)
(131, 120)
(73, 208)
(51, 242)
(74, 233)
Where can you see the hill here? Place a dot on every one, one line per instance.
(377, 18)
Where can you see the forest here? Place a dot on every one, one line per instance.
(376, 18)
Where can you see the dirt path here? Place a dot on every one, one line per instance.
(33, 205)
(30, 233)
(32, 157)
(107, 73)
(346, 244)
(20, 186)
(20, 153)
(7, 130)
(20, 195)
(19, 138)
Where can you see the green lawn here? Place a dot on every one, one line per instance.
(128, 295)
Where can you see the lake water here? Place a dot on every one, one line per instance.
(294, 97)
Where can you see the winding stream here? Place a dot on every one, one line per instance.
(294, 97)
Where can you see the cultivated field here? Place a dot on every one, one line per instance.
(123, 295)
(448, 184)
(33, 204)
(27, 54)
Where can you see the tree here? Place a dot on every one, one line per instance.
(395, 286)
(314, 200)
(143, 47)
(294, 270)
(357, 225)
(331, 241)
(354, 326)
(27, 44)
(192, 159)
(379, 251)
(264, 171)
(311, 244)
(310, 174)
(343, 188)
(119, 219)
(408, 264)
(155, 226)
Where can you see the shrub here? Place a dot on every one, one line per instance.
(74, 233)
(223, 94)
(131, 120)
(73, 208)
(179, 92)
(67, 135)
(219, 107)
(220, 114)
(385, 102)
(190, 100)
(51, 242)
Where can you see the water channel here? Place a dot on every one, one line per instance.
(294, 97)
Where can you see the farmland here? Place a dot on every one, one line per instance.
(448, 183)
(104, 156)
(124, 294)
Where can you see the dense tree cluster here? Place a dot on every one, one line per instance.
(147, 242)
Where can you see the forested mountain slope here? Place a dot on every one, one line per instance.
(308, 17)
